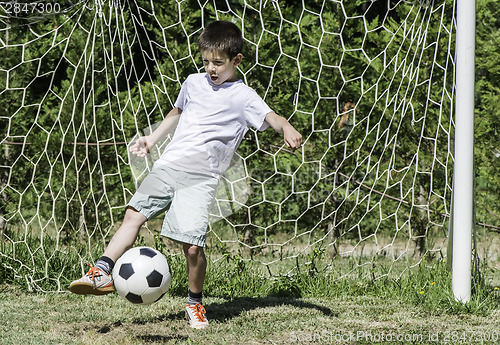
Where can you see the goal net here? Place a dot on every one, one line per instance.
(369, 84)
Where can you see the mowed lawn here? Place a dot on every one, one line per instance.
(63, 318)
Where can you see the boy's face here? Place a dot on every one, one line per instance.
(219, 67)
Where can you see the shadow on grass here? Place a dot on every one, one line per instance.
(148, 338)
(233, 308)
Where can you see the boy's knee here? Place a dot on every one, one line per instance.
(191, 250)
(132, 215)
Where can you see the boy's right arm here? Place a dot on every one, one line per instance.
(144, 144)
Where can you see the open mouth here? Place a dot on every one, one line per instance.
(214, 78)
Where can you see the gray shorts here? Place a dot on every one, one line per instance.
(189, 195)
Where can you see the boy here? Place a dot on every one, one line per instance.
(212, 112)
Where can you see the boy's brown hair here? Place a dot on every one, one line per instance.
(222, 36)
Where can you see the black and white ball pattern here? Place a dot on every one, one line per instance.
(142, 275)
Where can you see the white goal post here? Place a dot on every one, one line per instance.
(463, 172)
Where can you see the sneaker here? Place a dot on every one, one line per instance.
(196, 316)
(95, 282)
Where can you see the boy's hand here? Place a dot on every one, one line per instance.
(141, 147)
(293, 139)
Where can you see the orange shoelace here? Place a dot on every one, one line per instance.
(198, 311)
(93, 272)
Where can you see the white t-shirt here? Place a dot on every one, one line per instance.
(213, 122)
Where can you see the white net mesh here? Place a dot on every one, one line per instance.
(368, 84)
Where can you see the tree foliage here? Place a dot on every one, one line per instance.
(77, 86)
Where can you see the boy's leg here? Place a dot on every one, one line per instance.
(186, 222)
(196, 269)
(98, 279)
(126, 234)
(196, 266)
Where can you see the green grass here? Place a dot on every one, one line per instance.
(63, 318)
(320, 300)
(245, 307)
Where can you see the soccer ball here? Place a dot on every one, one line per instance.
(141, 275)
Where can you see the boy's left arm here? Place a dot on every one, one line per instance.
(292, 138)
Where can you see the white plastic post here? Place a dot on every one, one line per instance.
(463, 208)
